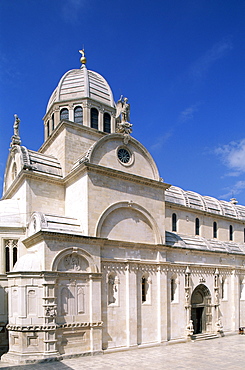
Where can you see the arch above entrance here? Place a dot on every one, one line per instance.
(200, 293)
(201, 310)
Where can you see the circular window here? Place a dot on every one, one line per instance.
(123, 155)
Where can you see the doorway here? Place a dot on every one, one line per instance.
(201, 309)
(197, 318)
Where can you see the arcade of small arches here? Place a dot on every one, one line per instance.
(99, 122)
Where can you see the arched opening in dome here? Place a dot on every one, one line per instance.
(64, 114)
(78, 115)
(107, 123)
(53, 122)
(48, 129)
(94, 118)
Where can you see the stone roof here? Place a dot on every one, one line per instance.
(82, 83)
(39, 162)
(31, 261)
(54, 223)
(199, 243)
(194, 200)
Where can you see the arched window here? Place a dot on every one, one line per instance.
(78, 115)
(215, 229)
(53, 122)
(244, 235)
(197, 226)
(48, 129)
(7, 259)
(94, 118)
(107, 123)
(11, 253)
(14, 255)
(64, 114)
(231, 232)
(174, 222)
(144, 288)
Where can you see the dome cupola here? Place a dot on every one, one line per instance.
(84, 97)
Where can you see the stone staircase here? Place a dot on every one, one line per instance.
(204, 336)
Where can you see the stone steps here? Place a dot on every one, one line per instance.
(204, 336)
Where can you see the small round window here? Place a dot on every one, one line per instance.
(124, 155)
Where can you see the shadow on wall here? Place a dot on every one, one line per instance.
(4, 344)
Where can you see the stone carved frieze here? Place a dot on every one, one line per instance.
(109, 267)
(148, 268)
(202, 270)
(177, 269)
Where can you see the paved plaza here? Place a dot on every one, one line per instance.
(223, 353)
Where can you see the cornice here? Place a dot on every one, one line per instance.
(52, 327)
(44, 235)
(109, 266)
(117, 174)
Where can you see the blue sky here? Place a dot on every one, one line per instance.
(180, 63)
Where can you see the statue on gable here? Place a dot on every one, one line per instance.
(123, 116)
(16, 136)
(16, 125)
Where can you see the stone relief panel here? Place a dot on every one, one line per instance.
(74, 259)
(73, 262)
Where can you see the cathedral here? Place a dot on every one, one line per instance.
(98, 253)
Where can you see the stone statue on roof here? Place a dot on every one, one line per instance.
(123, 116)
(16, 136)
(16, 125)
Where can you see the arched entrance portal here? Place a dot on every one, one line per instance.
(201, 309)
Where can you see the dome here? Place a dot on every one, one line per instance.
(82, 83)
(29, 262)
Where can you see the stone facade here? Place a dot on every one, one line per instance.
(98, 253)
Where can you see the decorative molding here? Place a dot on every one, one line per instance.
(53, 327)
(81, 325)
(112, 267)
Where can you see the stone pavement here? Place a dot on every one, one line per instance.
(222, 353)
